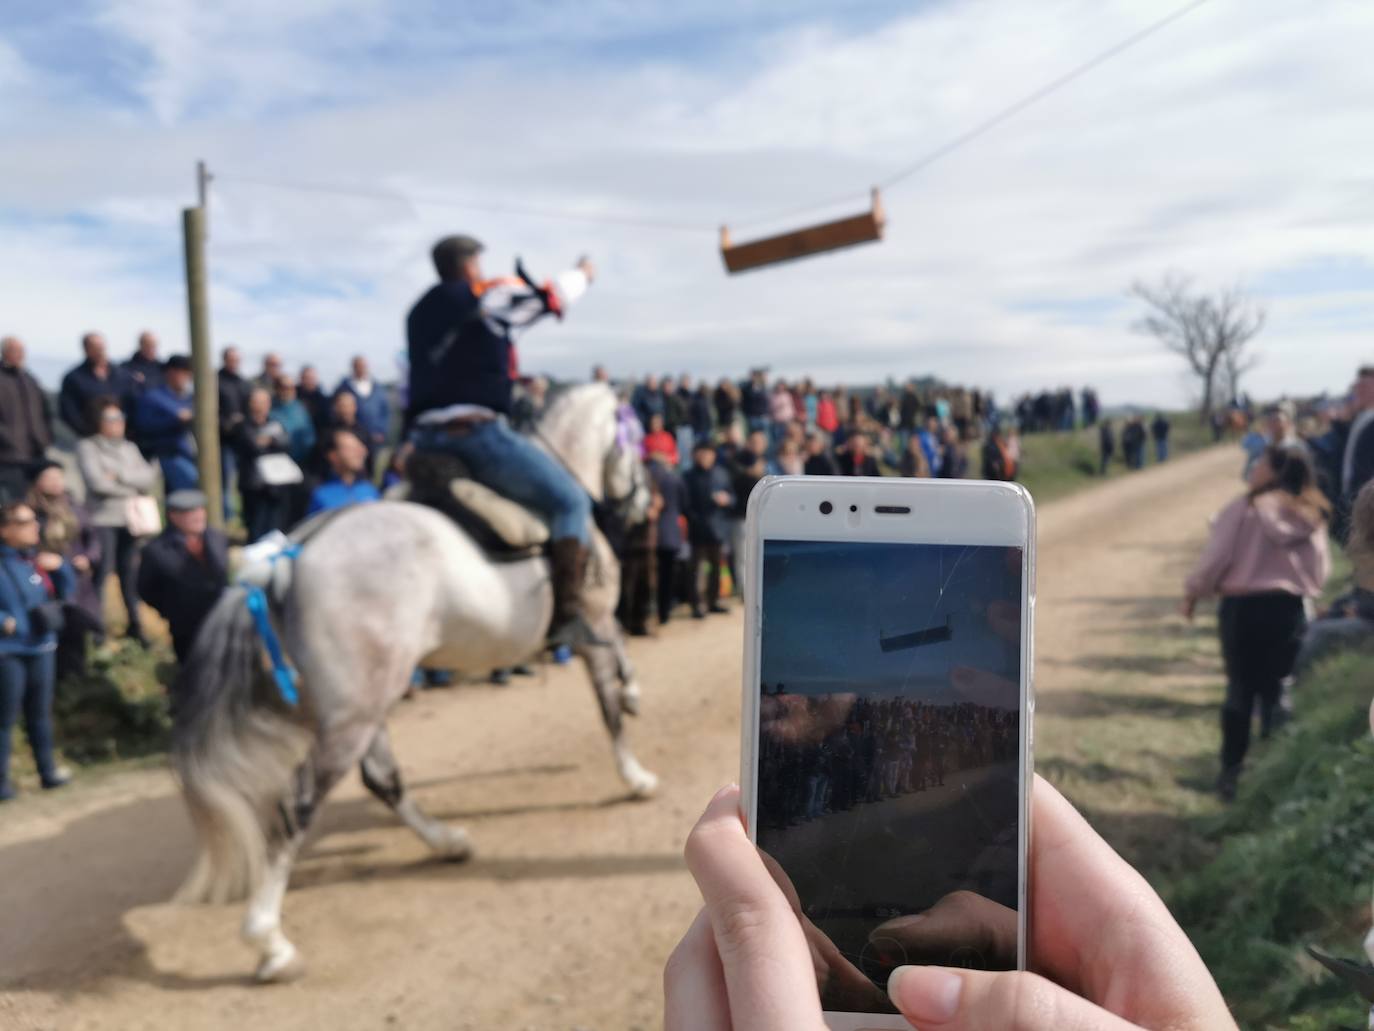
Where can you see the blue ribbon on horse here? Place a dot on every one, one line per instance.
(284, 675)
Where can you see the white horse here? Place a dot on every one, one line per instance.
(376, 592)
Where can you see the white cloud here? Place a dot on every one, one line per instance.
(1227, 146)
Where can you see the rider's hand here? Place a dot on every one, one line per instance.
(48, 561)
(1098, 931)
(1188, 607)
(8, 626)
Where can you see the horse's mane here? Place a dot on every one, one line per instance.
(568, 403)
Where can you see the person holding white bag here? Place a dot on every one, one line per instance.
(119, 483)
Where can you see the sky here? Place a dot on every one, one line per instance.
(1231, 147)
(827, 604)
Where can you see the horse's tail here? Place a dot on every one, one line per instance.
(235, 746)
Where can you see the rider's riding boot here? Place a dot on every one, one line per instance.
(568, 556)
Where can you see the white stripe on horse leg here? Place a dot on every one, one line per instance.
(642, 783)
(262, 925)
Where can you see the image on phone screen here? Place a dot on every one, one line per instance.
(888, 782)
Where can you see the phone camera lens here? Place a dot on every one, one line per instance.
(826, 508)
(853, 508)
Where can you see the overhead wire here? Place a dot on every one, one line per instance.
(990, 123)
(644, 222)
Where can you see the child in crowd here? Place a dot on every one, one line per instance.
(1266, 556)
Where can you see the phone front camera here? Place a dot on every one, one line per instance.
(826, 508)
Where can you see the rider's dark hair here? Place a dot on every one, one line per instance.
(449, 255)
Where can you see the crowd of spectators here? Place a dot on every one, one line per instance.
(291, 448)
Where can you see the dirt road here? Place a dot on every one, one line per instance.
(576, 895)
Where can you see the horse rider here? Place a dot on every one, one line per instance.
(461, 342)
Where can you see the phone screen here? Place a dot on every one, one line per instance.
(888, 787)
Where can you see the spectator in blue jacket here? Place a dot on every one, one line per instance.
(162, 419)
(295, 419)
(647, 400)
(96, 377)
(29, 581)
(374, 414)
(710, 501)
(347, 483)
(932, 441)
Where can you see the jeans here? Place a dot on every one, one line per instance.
(1161, 450)
(179, 473)
(499, 458)
(119, 552)
(26, 684)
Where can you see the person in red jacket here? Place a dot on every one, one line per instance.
(659, 441)
(827, 415)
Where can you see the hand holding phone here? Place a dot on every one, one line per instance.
(1116, 957)
(887, 716)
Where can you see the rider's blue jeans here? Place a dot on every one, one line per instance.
(514, 467)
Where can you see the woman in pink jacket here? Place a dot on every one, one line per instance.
(1268, 552)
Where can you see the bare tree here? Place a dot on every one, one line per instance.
(1209, 332)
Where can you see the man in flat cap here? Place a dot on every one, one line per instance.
(184, 569)
(162, 420)
(462, 369)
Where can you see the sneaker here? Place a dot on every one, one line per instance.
(524, 670)
(500, 677)
(59, 777)
(718, 610)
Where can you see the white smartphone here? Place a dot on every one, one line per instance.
(887, 743)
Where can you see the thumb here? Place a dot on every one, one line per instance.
(944, 999)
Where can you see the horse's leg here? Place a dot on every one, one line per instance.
(603, 668)
(382, 776)
(625, 672)
(335, 751)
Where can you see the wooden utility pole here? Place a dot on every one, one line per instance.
(202, 352)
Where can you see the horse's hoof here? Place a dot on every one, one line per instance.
(643, 784)
(281, 968)
(453, 846)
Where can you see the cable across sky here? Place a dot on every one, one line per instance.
(639, 221)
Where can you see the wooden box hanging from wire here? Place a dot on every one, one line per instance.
(802, 243)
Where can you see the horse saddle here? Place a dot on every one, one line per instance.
(505, 529)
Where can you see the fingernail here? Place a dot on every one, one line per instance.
(925, 994)
(724, 791)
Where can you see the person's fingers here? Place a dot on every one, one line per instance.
(1100, 930)
(944, 999)
(694, 983)
(769, 975)
(962, 923)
